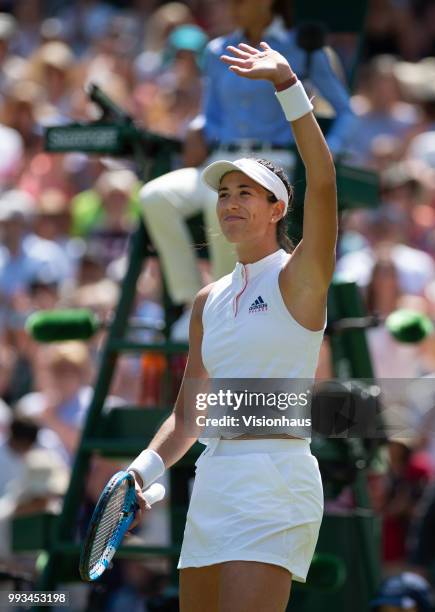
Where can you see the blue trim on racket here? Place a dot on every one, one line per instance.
(92, 568)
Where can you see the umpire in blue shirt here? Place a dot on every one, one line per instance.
(231, 129)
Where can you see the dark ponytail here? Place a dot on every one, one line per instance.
(282, 225)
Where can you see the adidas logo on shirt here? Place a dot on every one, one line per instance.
(258, 306)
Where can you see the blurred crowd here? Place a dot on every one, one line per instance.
(66, 220)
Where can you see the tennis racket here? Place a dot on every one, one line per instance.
(111, 519)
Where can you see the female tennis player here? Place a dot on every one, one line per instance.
(257, 502)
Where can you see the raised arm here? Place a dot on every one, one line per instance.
(306, 278)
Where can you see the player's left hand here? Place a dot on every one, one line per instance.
(252, 63)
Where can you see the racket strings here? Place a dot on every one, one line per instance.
(108, 525)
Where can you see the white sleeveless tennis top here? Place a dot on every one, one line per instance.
(248, 331)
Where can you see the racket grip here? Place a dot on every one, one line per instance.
(154, 493)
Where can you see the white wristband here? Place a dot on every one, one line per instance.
(294, 101)
(149, 465)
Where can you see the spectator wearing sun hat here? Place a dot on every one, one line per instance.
(173, 99)
(190, 38)
(158, 27)
(53, 65)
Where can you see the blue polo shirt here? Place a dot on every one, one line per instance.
(236, 108)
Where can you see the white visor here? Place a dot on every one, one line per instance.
(212, 176)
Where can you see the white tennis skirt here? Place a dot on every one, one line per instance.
(255, 500)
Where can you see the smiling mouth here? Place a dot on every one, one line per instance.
(233, 218)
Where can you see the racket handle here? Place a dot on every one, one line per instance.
(154, 493)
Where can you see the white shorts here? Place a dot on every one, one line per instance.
(255, 500)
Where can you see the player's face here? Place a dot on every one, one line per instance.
(243, 209)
